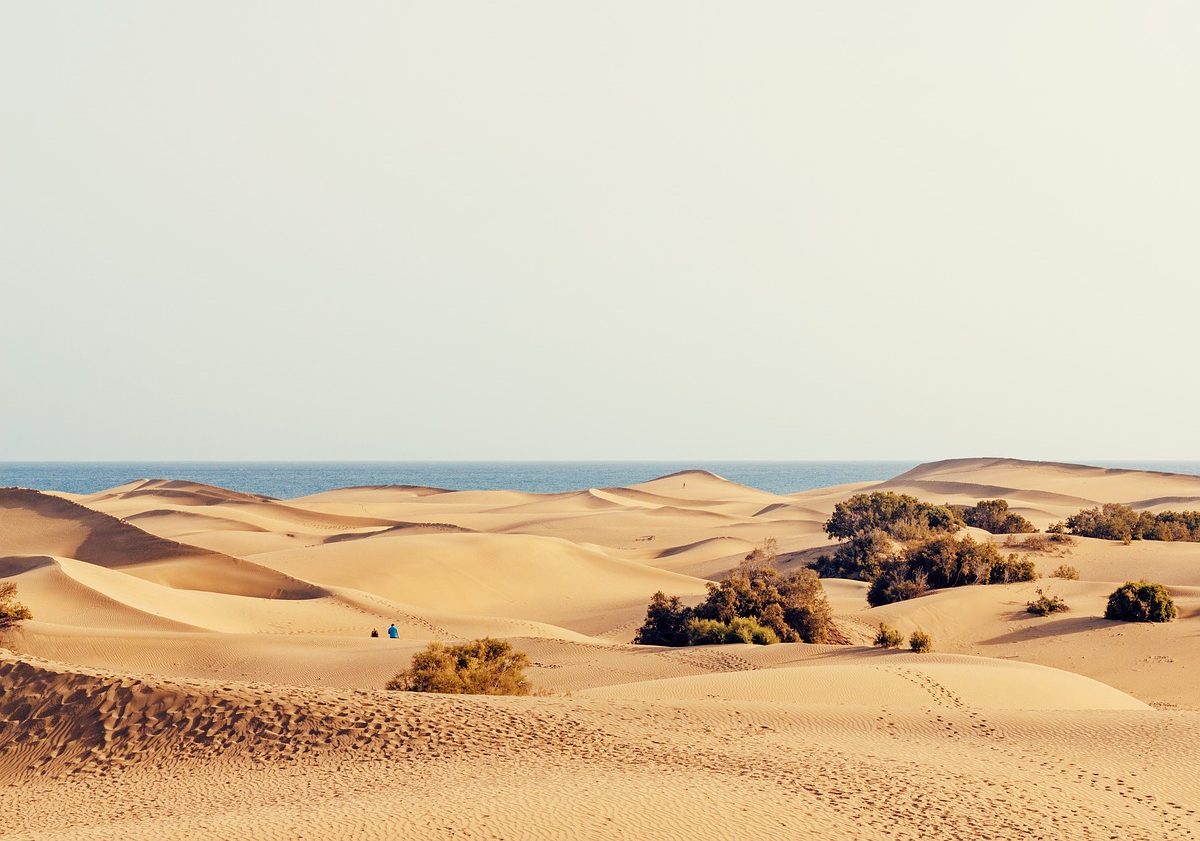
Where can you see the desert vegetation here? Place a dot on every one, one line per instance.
(1065, 571)
(1140, 601)
(1113, 521)
(888, 637)
(480, 667)
(753, 603)
(1044, 604)
(920, 642)
(992, 515)
(11, 610)
(905, 547)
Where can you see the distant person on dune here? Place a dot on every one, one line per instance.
(374, 632)
(393, 633)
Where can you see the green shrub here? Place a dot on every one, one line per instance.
(740, 630)
(1113, 521)
(946, 561)
(792, 607)
(11, 610)
(899, 516)
(888, 637)
(1044, 605)
(666, 622)
(481, 667)
(1065, 571)
(920, 642)
(1140, 601)
(992, 515)
(860, 558)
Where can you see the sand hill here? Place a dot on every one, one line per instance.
(200, 663)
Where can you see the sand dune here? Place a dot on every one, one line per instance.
(712, 768)
(32, 522)
(192, 644)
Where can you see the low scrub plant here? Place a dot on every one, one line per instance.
(1044, 605)
(480, 667)
(11, 610)
(741, 629)
(888, 637)
(1140, 601)
(920, 642)
(1065, 571)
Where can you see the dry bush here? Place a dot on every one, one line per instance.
(1044, 605)
(481, 667)
(888, 637)
(920, 642)
(11, 610)
(1065, 571)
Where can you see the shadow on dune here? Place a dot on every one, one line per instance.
(1037, 628)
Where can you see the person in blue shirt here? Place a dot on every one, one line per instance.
(393, 633)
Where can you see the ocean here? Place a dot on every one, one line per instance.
(289, 479)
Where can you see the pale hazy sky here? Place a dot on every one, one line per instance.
(679, 230)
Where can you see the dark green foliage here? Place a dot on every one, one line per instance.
(895, 585)
(11, 610)
(741, 629)
(481, 667)
(1140, 601)
(920, 642)
(666, 622)
(992, 515)
(861, 557)
(1044, 605)
(888, 637)
(1113, 521)
(899, 516)
(946, 561)
(790, 607)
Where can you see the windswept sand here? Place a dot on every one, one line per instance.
(200, 665)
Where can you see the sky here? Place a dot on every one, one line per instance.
(635, 230)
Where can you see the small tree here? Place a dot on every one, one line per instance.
(481, 667)
(920, 642)
(1140, 601)
(888, 637)
(11, 610)
(666, 622)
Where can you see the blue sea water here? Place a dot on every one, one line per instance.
(298, 478)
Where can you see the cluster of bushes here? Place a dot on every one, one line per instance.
(889, 637)
(905, 547)
(481, 667)
(946, 561)
(755, 603)
(11, 610)
(1113, 521)
(873, 525)
(993, 515)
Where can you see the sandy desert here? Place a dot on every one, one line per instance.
(199, 664)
